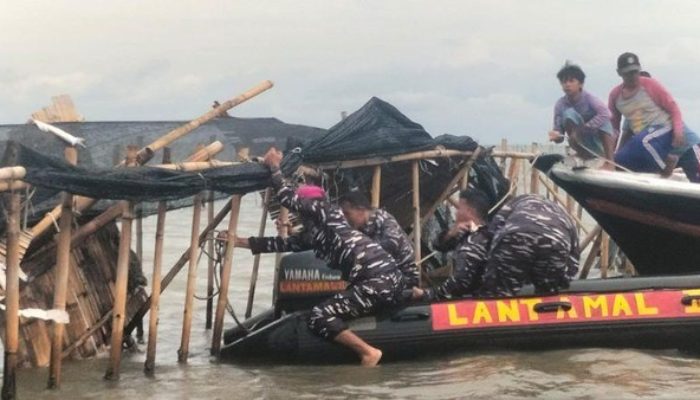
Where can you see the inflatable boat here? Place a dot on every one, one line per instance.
(643, 312)
(654, 221)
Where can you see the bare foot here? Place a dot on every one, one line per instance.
(372, 359)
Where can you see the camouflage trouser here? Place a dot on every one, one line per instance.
(329, 318)
(522, 257)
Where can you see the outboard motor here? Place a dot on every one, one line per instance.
(304, 281)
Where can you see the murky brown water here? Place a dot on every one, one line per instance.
(578, 374)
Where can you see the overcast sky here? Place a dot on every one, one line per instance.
(482, 68)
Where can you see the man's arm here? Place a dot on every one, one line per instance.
(608, 148)
(615, 116)
(602, 113)
(311, 208)
(277, 244)
(469, 267)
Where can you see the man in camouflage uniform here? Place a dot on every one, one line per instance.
(378, 224)
(375, 281)
(530, 240)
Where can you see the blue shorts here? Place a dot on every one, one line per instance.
(690, 162)
(647, 150)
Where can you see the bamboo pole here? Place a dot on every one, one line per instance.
(604, 254)
(82, 338)
(147, 152)
(504, 148)
(589, 237)
(210, 250)
(416, 216)
(256, 260)
(427, 154)
(163, 285)
(120, 284)
(534, 174)
(12, 173)
(376, 186)
(113, 212)
(196, 166)
(454, 203)
(225, 276)
(210, 264)
(513, 172)
(591, 257)
(450, 188)
(183, 352)
(283, 232)
(61, 280)
(9, 389)
(367, 162)
(150, 364)
(557, 198)
(12, 185)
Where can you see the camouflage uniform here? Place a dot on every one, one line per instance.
(382, 227)
(470, 261)
(375, 281)
(530, 240)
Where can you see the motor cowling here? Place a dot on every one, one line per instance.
(304, 281)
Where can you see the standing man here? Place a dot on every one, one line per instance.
(583, 117)
(656, 139)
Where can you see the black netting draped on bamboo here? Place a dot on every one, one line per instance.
(140, 184)
(377, 129)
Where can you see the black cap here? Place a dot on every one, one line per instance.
(628, 62)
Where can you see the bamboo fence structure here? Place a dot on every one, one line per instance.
(124, 313)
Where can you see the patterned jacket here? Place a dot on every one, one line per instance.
(331, 238)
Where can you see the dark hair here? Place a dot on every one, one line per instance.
(355, 199)
(645, 73)
(478, 200)
(571, 71)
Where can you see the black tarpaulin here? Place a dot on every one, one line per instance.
(376, 129)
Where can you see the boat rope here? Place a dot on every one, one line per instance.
(218, 257)
(599, 157)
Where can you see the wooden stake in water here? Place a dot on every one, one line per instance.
(183, 352)
(416, 215)
(210, 264)
(122, 277)
(9, 389)
(225, 276)
(61, 283)
(175, 269)
(150, 364)
(282, 231)
(256, 260)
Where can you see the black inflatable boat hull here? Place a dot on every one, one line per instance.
(654, 313)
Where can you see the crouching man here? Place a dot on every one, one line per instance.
(378, 224)
(583, 117)
(529, 241)
(375, 280)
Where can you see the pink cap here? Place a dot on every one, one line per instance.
(311, 192)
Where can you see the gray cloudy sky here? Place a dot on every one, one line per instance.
(483, 68)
